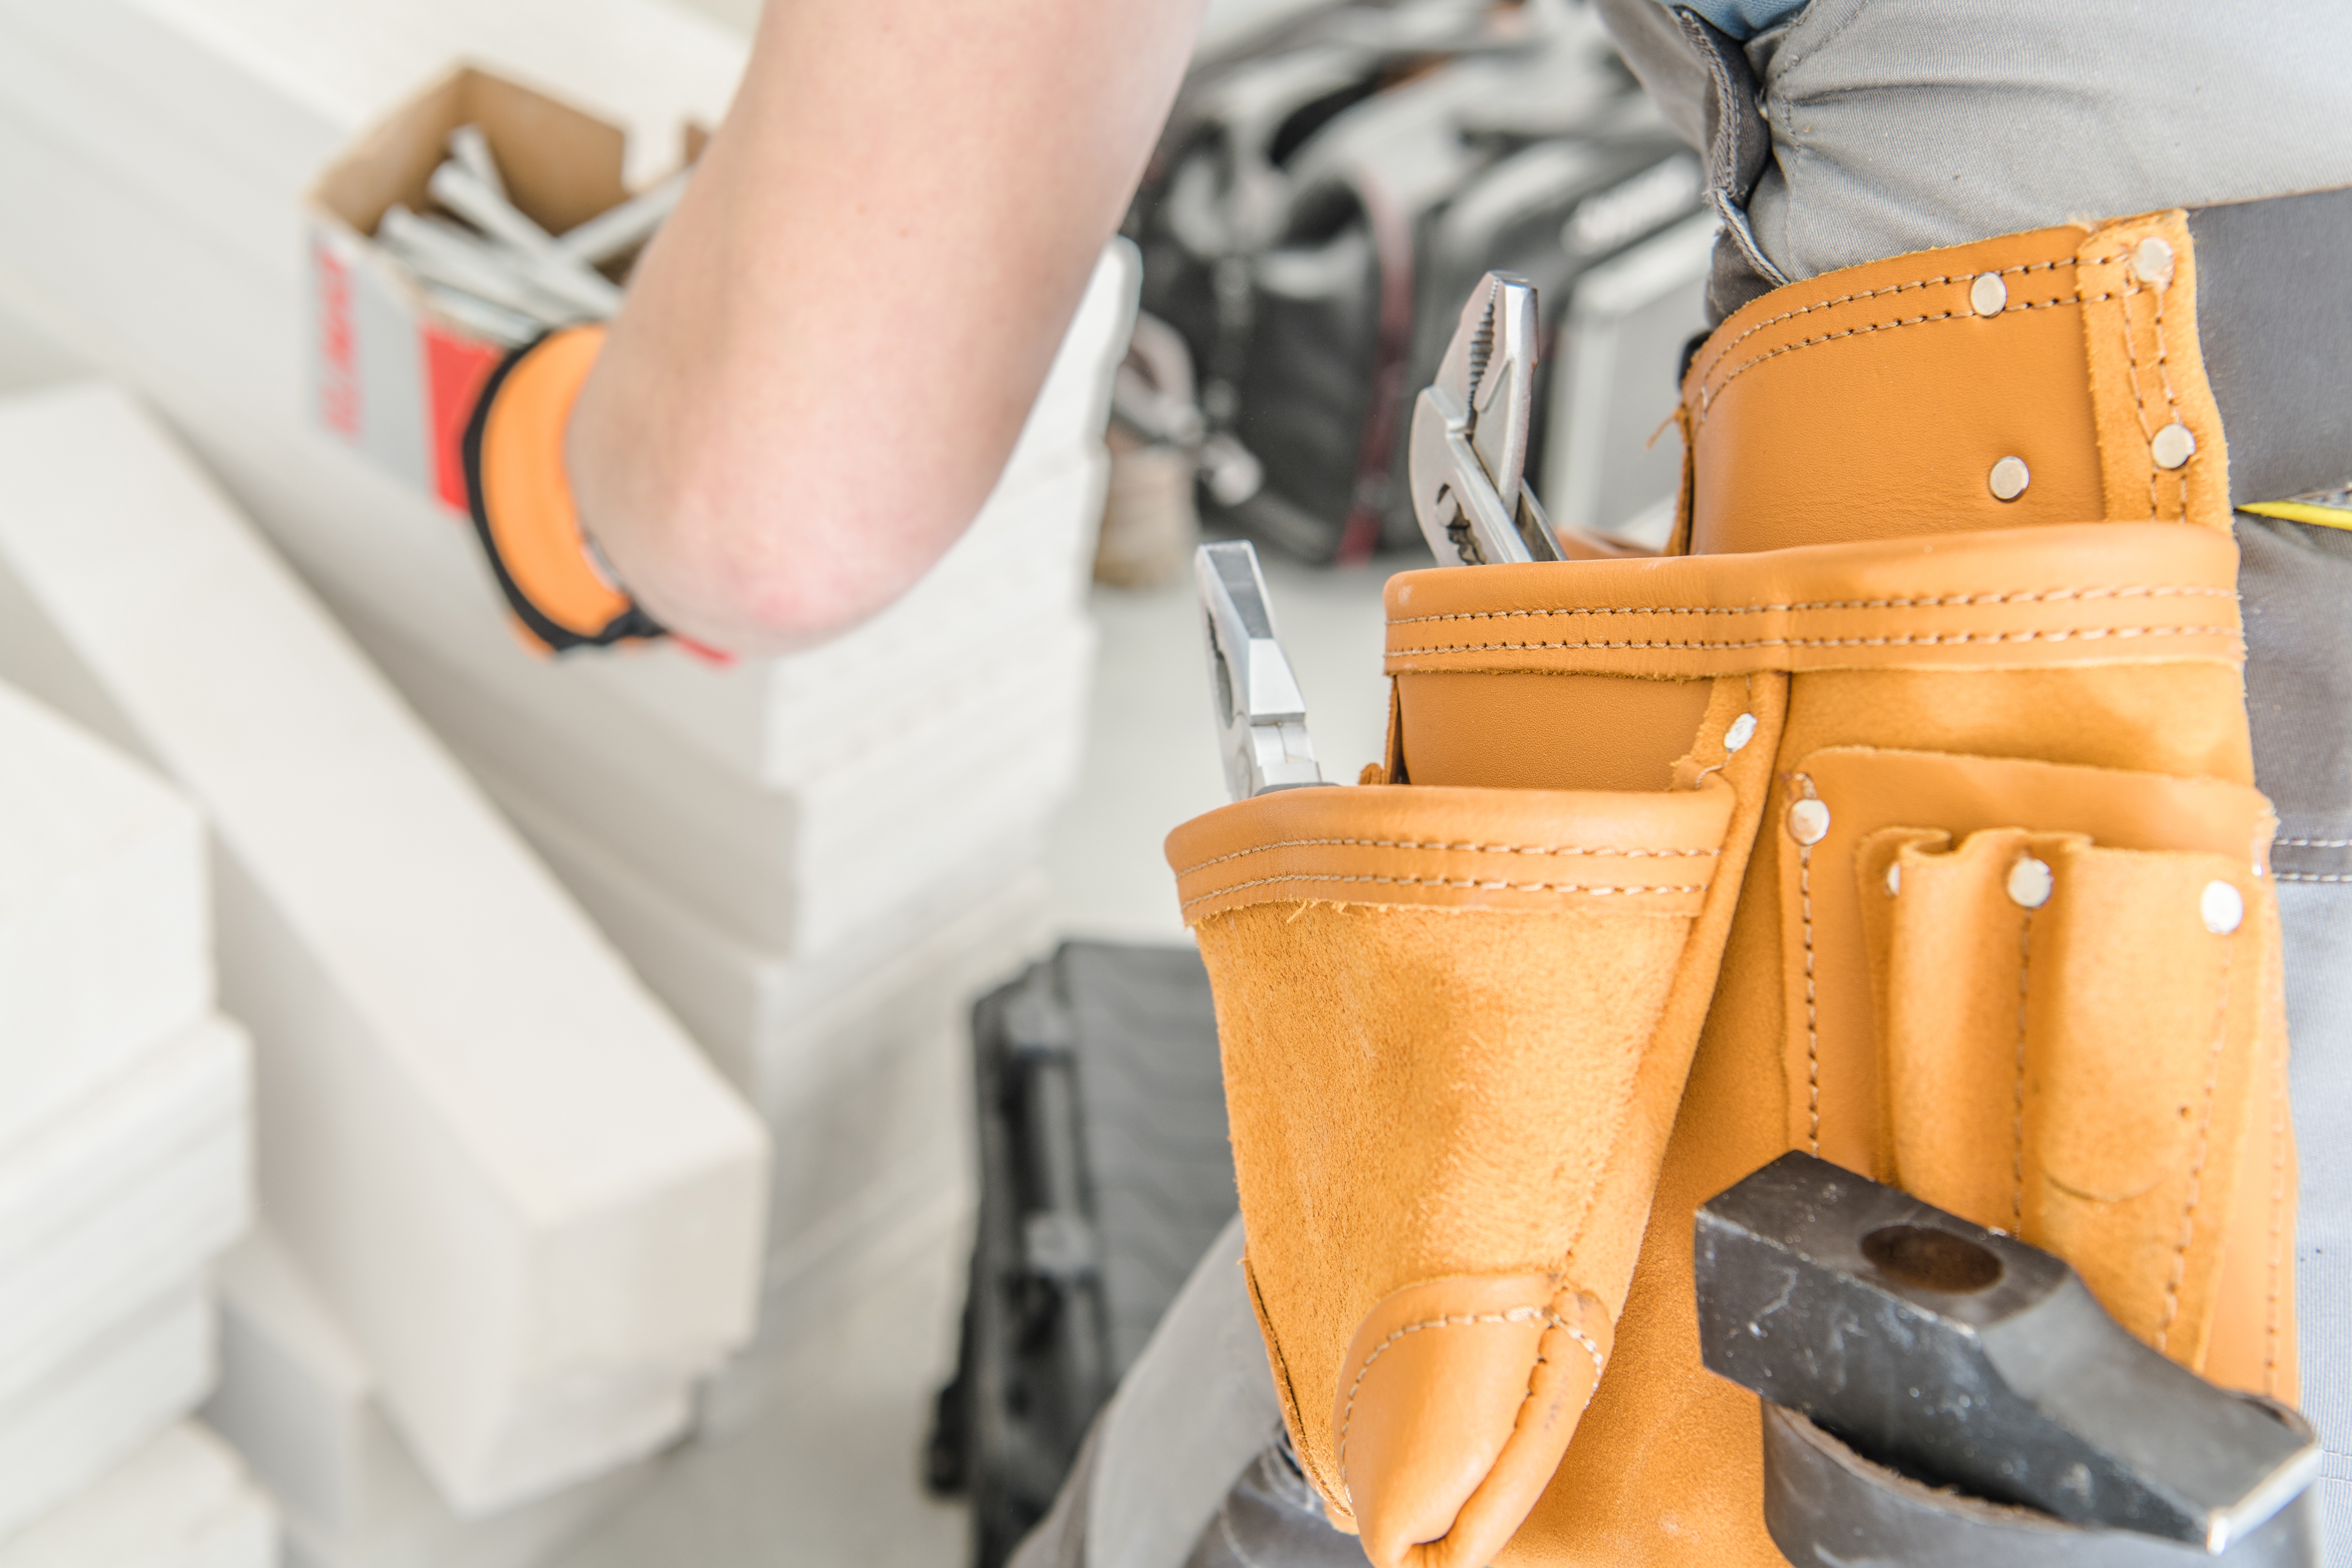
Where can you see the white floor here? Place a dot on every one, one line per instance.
(830, 1477)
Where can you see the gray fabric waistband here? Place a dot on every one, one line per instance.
(2275, 313)
(2274, 323)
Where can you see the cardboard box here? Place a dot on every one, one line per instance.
(391, 372)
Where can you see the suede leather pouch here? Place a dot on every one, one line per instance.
(1455, 1024)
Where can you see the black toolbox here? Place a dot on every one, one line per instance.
(1104, 1173)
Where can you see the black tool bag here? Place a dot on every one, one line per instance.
(1104, 1173)
(1321, 207)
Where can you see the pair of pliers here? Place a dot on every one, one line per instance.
(1261, 715)
(1470, 428)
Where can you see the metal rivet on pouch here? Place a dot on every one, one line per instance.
(1808, 821)
(2009, 479)
(2031, 883)
(2172, 446)
(2223, 907)
(1895, 880)
(1742, 731)
(1988, 296)
(2152, 260)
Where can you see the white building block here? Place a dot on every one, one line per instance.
(123, 1201)
(780, 1027)
(859, 1055)
(531, 1200)
(105, 943)
(798, 872)
(96, 1411)
(294, 1392)
(137, 131)
(181, 1501)
(296, 1398)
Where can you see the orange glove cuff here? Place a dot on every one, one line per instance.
(522, 498)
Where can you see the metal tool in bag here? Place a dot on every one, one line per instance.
(1470, 433)
(1261, 715)
(1941, 1393)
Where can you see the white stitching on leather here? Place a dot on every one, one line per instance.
(1812, 999)
(1707, 395)
(1956, 639)
(2017, 1130)
(2140, 399)
(1515, 1315)
(2197, 1166)
(2037, 597)
(2315, 843)
(2171, 403)
(1470, 848)
(1446, 882)
(1861, 294)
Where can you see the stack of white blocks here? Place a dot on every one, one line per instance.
(530, 1203)
(125, 1163)
(300, 1401)
(815, 861)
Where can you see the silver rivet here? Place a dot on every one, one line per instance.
(2172, 446)
(1988, 296)
(1893, 879)
(2152, 260)
(2031, 883)
(1742, 731)
(1808, 821)
(2009, 476)
(2223, 907)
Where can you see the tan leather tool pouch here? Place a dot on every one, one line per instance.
(1619, 932)
(1455, 1026)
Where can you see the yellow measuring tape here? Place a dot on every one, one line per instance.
(2304, 511)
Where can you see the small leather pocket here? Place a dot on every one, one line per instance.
(1455, 1026)
(2075, 1048)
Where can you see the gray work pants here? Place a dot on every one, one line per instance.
(1869, 128)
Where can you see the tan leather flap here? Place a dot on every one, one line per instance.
(2019, 381)
(2079, 595)
(1461, 849)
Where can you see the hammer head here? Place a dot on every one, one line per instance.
(1966, 1358)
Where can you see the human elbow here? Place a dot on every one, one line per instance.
(776, 567)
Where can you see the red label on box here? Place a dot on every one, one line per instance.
(339, 376)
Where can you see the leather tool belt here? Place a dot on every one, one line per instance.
(1904, 815)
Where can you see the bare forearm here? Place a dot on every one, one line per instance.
(826, 355)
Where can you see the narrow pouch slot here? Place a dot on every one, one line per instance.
(1831, 1050)
(2076, 1050)
(1455, 1024)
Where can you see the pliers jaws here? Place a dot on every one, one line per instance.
(1261, 715)
(1470, 428)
